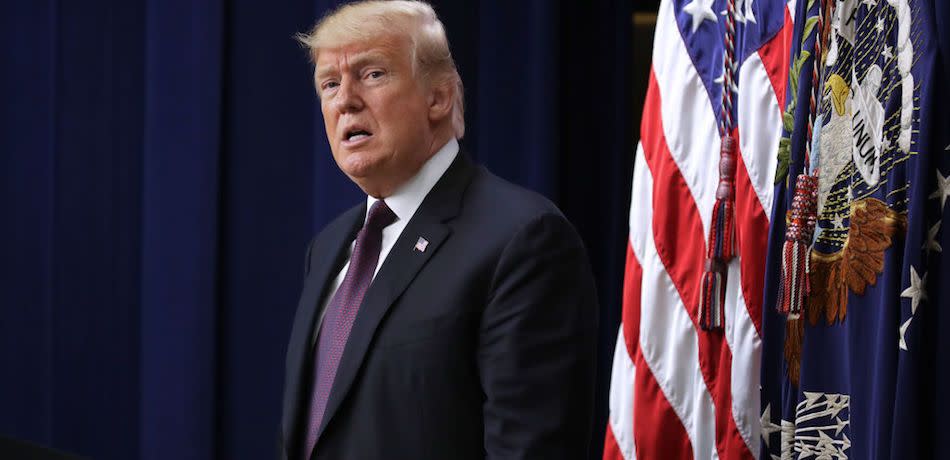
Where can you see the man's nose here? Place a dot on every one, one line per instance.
(347, 97)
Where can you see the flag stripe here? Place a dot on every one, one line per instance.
(624, 373)
(689, 125)
(762, 78)
(775, 55)
(680, 244)
(745, 342)
(673, 413)
(611, 449)
(632, 284)
(621, 401)
(660, 433)
(757, 105)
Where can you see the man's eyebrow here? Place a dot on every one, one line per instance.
(323, 72)
(358, 61)
(367, 58)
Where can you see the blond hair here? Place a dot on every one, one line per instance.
(366, 20)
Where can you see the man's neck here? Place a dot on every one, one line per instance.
(409, 196)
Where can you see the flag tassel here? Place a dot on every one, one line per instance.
(720, 247)
(794, 339)
(794, 288)
(713, 299)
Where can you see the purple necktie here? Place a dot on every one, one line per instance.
(340, 313)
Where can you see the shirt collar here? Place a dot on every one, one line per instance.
(408, 197)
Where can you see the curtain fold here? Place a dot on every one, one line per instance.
(180, 183)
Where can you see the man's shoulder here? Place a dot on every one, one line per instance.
(504, 200)
(496, 212)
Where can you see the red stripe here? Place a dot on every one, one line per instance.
(632, 282)
(658, 431)
(752, 233)
(611, 449)
(753, 221)
(775, 54)
(680, 243)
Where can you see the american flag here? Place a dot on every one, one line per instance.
(677, 390)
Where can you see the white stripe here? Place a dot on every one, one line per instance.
(668, 339)
(760, 128)
(622, 397)
(759, 119)
(746, 347)
(689, 124)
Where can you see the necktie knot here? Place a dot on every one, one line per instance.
(380, 216)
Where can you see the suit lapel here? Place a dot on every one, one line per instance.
(397, 272)
(334, 247)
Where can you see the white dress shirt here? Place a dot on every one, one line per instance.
(403, 202)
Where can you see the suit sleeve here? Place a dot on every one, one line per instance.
(537, 346)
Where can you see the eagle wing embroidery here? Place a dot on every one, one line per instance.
(857, 265)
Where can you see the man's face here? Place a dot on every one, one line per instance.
(376, 112)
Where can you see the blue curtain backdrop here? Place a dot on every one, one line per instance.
(163, 165)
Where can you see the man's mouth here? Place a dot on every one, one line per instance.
(356, 135)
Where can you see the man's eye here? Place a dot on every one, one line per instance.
(376, 74)
(329, 85)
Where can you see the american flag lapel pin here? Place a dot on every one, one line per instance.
(422, 244)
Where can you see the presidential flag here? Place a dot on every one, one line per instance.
(855, 342)
(685, 381)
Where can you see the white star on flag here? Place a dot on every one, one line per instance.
(700, 10)
(838, 221)
(932, 244)
(744, 11)
(917, 291)
(943, 189)
(888, 52)
(767, 426)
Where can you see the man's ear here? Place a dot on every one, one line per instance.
(440, 101)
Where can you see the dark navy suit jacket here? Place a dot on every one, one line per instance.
(480, 346)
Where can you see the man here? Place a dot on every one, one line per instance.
(453, 314)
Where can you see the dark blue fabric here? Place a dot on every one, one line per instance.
(180, 179)
(71, 117)
(871, 381)
(163, 165)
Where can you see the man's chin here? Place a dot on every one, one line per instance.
(366, 176)
(359, 175)
(359, 165)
